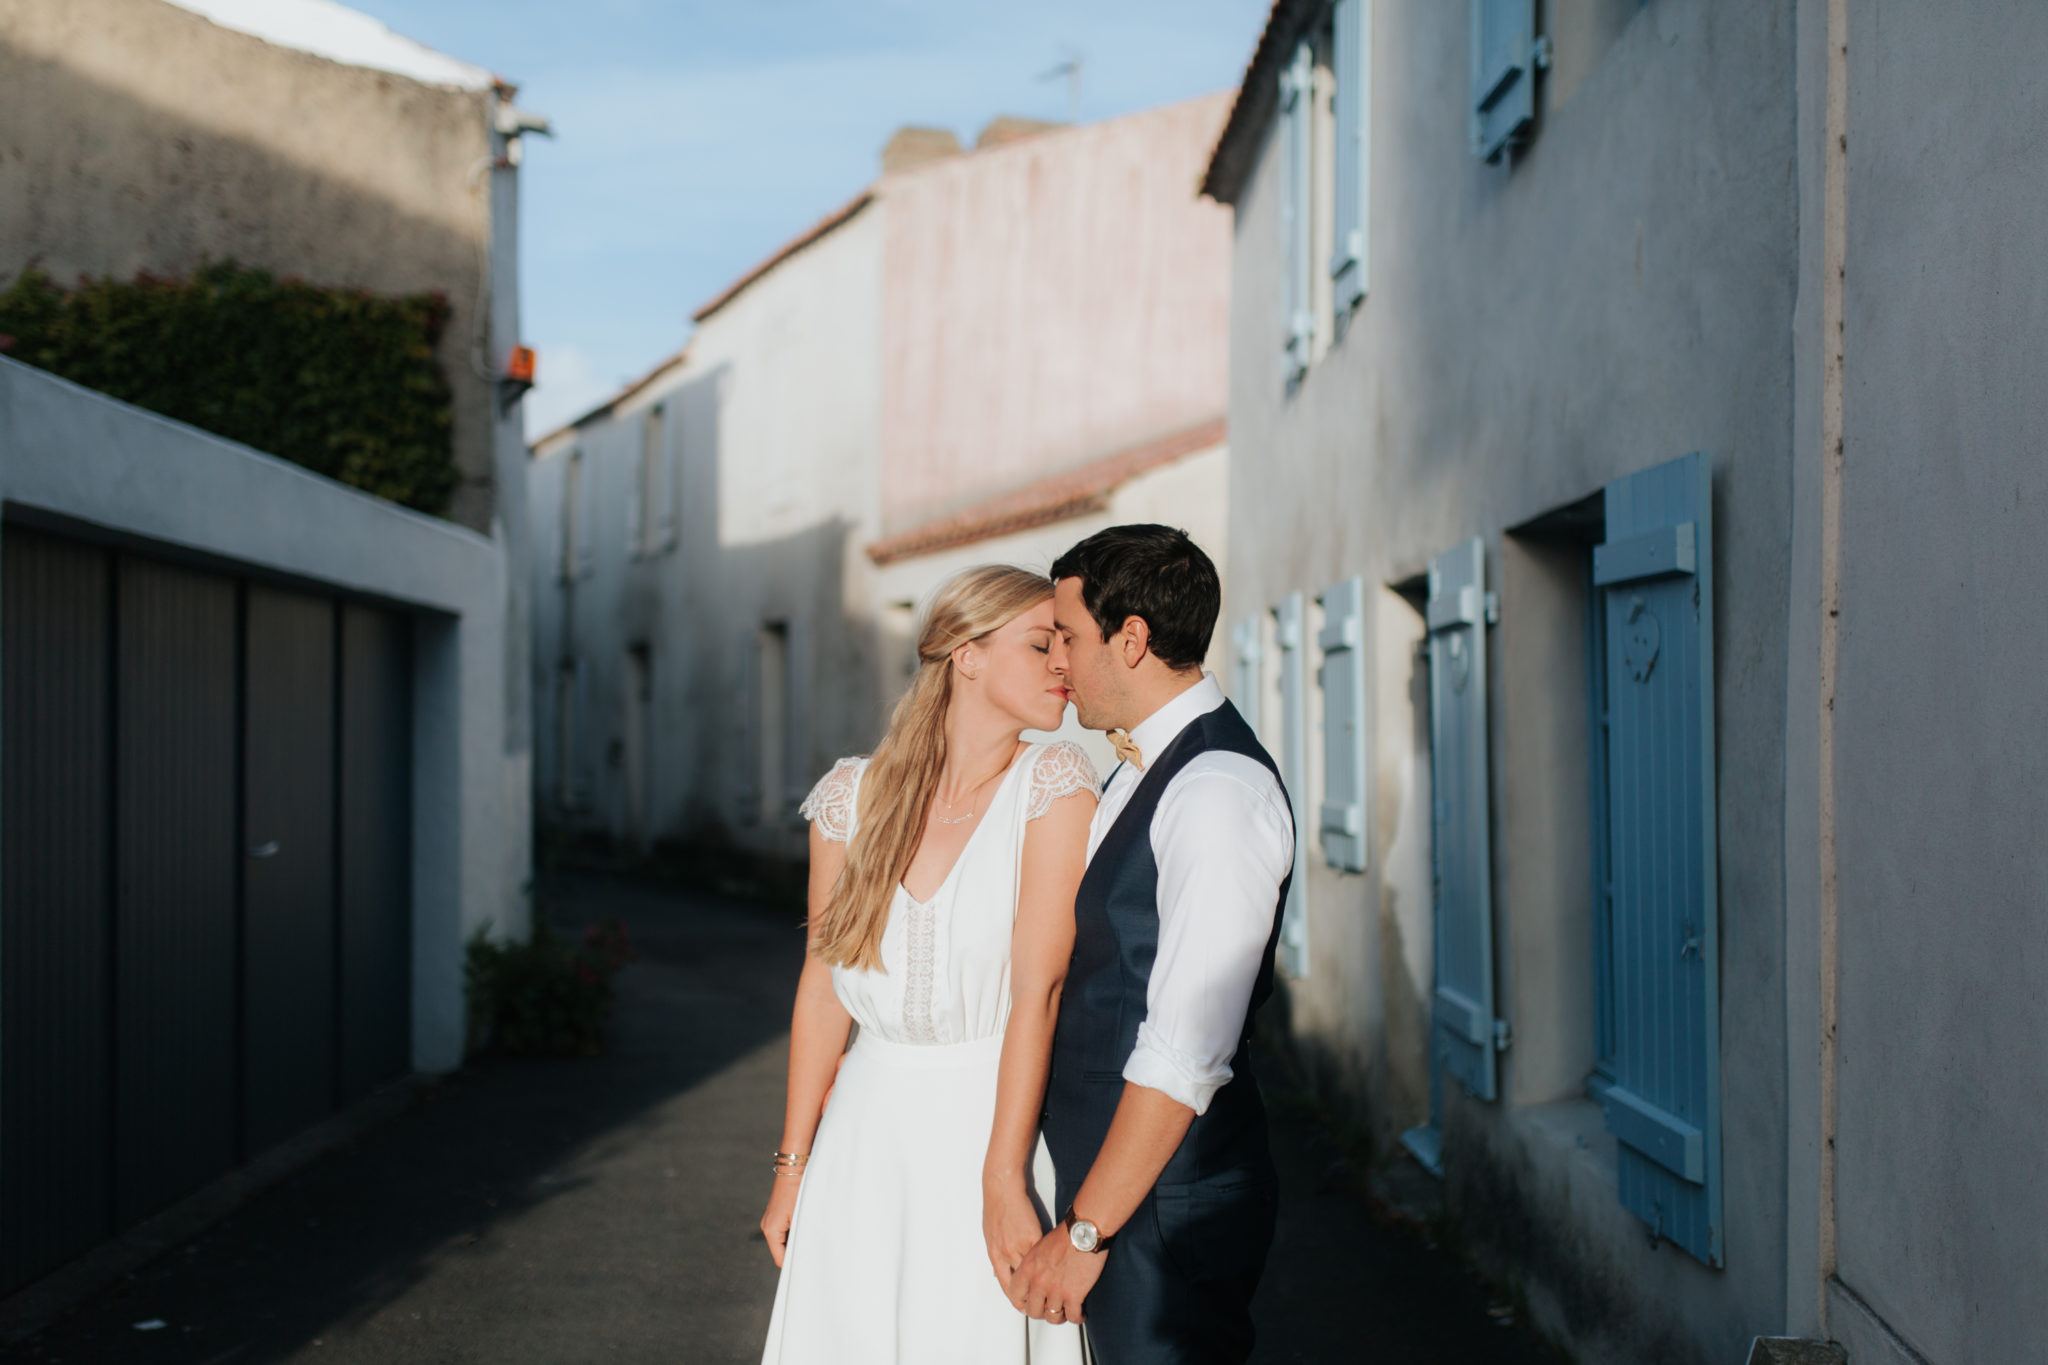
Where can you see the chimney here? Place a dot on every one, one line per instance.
(1008, 128)
(911, 147)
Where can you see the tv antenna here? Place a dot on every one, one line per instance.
(1070, 70)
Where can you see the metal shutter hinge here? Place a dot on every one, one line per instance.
(1539, 52)
(1493, 609)
(1503, 1035)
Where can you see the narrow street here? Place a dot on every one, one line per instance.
(603, 1209)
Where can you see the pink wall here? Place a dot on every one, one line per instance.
(1048, 302)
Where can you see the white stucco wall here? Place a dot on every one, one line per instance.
(72, 453)
(772, 430)
(794, 428)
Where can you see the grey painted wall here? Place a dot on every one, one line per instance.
(1621, 295)
(71, 453)
(1662, 269)
(1940, 773)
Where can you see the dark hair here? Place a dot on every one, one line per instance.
(1153, 572)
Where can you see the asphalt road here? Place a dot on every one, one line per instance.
(604, 1209)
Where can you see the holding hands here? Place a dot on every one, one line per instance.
(1041, 1273)
(1009, 1224)
(1055, 1278)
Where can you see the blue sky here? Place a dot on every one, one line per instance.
(693, 138)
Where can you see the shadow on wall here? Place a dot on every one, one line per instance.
(1373, 1067)
(95, 181)
(693, 695)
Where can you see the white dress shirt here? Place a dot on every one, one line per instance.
(1223, 838)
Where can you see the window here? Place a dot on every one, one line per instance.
(1505, 54)
(1603, 865)
(654, 502)
(569, 699)
(1468, 1037)
(579, 516)
(1658, 928)
(1342, 678)
(1351, 40)
(637, 723)
(572, 498)
(1325, 134)
(1289, 638)
(1297, 210)
(1247, 659)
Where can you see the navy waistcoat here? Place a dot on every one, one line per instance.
(1116, 938)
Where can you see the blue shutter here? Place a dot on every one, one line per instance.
(1288, 635)
(1297, 221)
(1247, 671)
(1504, 49)
(1654, 580)
(1466, 1033)
(1342, 821)
(1352, 31)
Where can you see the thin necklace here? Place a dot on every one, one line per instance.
(963, 819)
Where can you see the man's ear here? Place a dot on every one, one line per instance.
(1134, 641)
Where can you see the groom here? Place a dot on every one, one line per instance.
(1158, 1137)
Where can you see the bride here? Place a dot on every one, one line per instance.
(943, 871)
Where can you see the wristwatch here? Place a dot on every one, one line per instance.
(1085, 1236)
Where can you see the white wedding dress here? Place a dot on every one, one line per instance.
(886, 1264)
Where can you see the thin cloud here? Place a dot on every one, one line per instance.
(695, 137)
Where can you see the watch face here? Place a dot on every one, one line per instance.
(1083, 1235)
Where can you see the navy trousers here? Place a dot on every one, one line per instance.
(1177, 1286)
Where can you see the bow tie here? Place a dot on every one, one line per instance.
(1126, 750)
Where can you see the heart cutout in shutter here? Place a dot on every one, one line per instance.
(1640, 640)
(1461, 660)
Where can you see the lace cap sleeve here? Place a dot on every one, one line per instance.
(830, 805)
(1060, 769)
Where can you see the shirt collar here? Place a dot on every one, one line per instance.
(1163, 726)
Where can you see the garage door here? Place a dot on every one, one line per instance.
(204, 878)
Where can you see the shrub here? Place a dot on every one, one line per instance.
(545, 997)
(341, 381)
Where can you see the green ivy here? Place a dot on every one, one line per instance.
(342, 381)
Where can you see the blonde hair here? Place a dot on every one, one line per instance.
(902, 776)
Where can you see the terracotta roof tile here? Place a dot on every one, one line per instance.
(1257, 97)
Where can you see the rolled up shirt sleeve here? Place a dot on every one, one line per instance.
(1223, 840)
